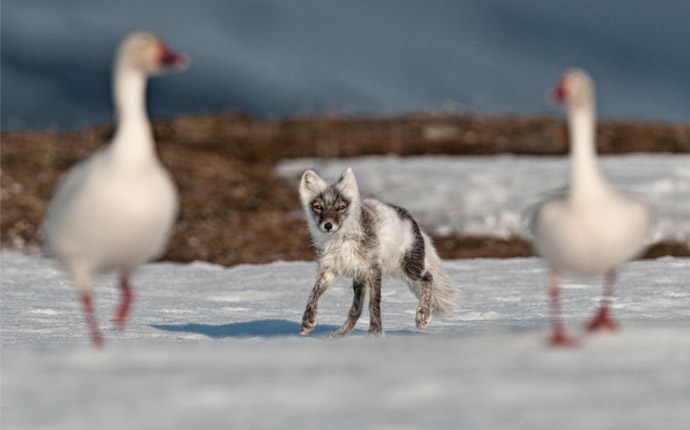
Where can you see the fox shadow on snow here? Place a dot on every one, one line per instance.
(260, 328)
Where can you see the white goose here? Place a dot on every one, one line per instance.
(591, 229)
(115, 210)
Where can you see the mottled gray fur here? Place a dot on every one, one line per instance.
(368, 240)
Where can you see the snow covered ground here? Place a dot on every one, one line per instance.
(214, 347)
(490, 195)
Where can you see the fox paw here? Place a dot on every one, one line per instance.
(375, 332)
(423, 318)
(306, 328)
(336, 334)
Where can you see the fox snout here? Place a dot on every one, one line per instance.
(329, 226)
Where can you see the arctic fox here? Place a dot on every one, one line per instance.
(367, 240)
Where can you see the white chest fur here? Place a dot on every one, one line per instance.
(346, 258)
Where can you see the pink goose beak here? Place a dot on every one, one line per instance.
(558, 93)
(169, 58)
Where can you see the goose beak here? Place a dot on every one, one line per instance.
(169, 58)
(558, 93)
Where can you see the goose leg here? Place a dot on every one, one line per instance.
(82, 278)
(125, 303)
(91, 319)
(559, 337)
(603, 320)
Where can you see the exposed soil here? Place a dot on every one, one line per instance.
(235, 211)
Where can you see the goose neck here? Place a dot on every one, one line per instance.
(129, 94)
(133, 135)
(585, 177)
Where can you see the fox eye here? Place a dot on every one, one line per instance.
(341, 207)
(317, 207)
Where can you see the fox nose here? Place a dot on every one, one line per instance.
(328, 226)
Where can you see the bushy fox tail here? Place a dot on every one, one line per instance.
(444, 294)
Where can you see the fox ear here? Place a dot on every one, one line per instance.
(311, 186)
(348, 183)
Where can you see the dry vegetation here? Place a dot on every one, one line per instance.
(235, 211)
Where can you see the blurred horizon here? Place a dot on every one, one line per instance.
(271, 58)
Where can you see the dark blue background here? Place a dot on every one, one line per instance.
(276, 57)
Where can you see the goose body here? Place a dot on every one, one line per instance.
(590, 237)
(111, 216)
(116, 209)
(591, 228)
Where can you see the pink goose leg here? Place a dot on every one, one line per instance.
(92, 320)
(559, 338)
(603, 320)
(125, 304)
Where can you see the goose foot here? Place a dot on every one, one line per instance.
(559, 338)
(602, 321)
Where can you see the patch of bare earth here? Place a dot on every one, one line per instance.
(235, 211)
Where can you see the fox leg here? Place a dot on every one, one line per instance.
(420, 282)
(323, 281)
(355, 311)
(424, 308)
(374, 284)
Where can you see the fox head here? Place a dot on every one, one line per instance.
(328, 207)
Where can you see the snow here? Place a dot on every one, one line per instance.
(215, 347)
(490, 195)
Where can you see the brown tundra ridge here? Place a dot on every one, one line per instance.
(235, 211)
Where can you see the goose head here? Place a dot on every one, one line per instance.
(146, 53)
(574, 89)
